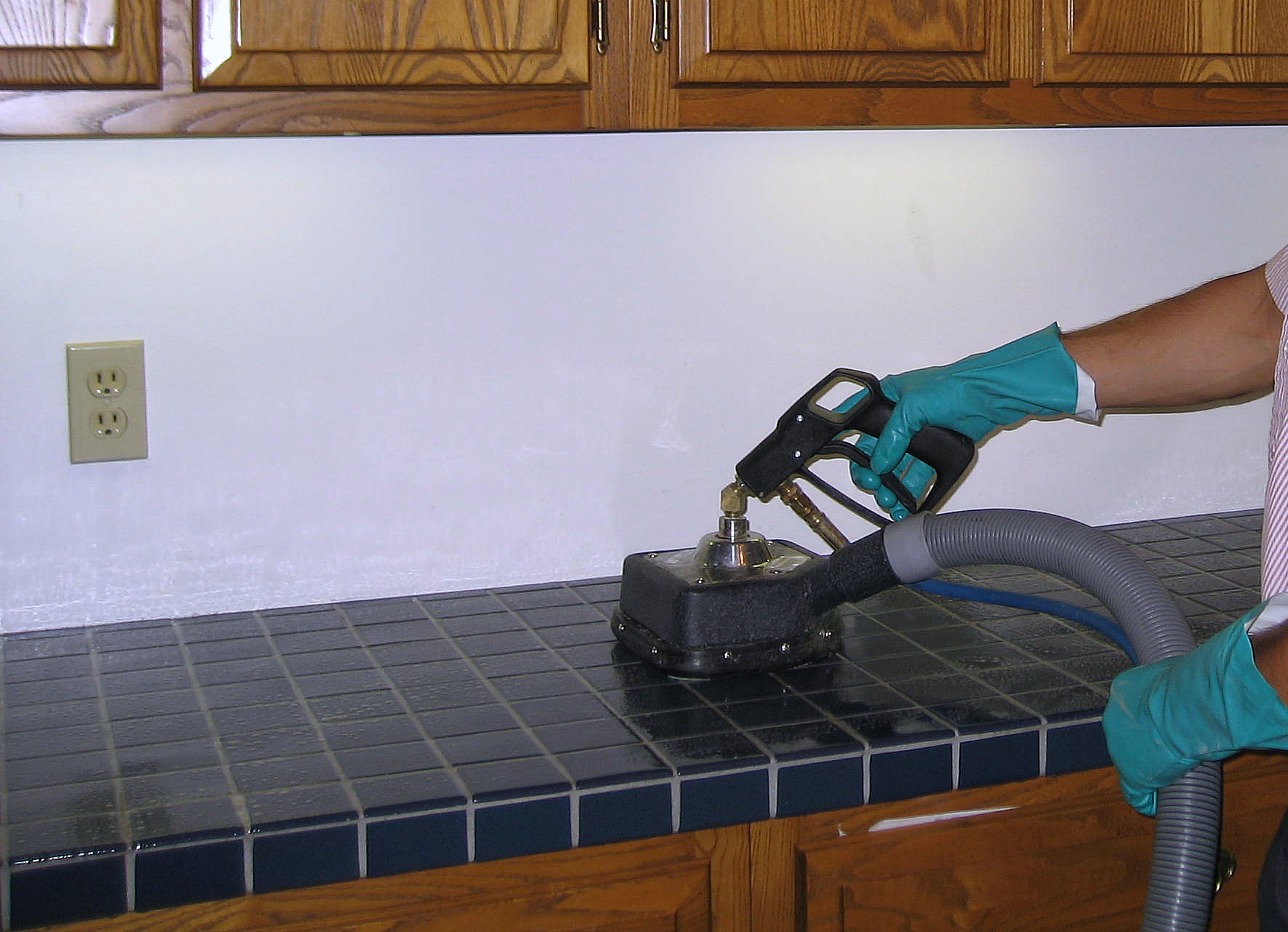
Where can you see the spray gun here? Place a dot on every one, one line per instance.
(740, 602)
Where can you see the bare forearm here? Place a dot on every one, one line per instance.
(1215, 343)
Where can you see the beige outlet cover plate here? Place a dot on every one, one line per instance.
(107, 412)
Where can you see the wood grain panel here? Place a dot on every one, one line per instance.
(846, 26)
(787, 42)
(696, 882)
(1165, 42)
(79, 43)
(393, 43)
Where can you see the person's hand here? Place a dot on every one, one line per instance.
(1031, 376)
(1164, 718)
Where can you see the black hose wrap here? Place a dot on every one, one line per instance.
(1188, 824)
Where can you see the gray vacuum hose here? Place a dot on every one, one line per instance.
(1188, 829)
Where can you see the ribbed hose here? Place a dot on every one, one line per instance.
(1188, 826)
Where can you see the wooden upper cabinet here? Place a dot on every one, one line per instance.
(79, 43)
(1165, 42)
(392, 43)
(842, 41)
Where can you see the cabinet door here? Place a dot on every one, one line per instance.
(1050, 854)
(392, 43)
(78, 43)
(842, 41)
(1165, 41)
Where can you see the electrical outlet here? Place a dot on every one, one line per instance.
(107, 414)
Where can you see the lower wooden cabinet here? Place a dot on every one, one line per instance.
(1054, 853)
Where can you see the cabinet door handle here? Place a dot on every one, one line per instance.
(599, 25)
(661, 24)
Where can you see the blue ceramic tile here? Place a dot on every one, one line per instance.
(316, 641)
(291, 808)
(240, 747)
(516, 829)
(777, 710)
(40, 897)
(74, 801)
(380, 612)
(728, 799)
(185, 821)
(248, 719)
(57, 770)
(556, 709)
(819, 786)
(408, 792)
(399, 632)
(684, 723)
(304, 859)
(986, 714)
(539, 685)
(353, 707)
(178, 876)
(581, 736)
(998, 759)
(74, 836)
(488, 623)
(391, 729)
(612, 765)
(564, 615)
(396, 654)
(468, 720)
(407, 757)
(497, 642)
(488, 746)
(886, 727)
(710, 752)
(908, 773)
(538, 597)
(249, 693)
(160, 788)
(415, 843)
(80, 712)
(536, 661)
(39, 692)
(624, 815)
(51, 742)
(160, 729)
(327, 661)
(1076, 747)
(805, 739)
(525, 776)
(283, 773)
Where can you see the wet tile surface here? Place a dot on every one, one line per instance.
(307, 745)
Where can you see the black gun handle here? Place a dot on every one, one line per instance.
(806, 428)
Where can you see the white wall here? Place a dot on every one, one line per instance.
(387, 366)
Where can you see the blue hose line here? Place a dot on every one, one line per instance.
(1082, 616)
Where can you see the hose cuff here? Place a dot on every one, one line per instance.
(907, 551)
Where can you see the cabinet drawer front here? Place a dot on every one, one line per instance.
(1165, 41)
(337, 43)
(842, 42)
(78, 43)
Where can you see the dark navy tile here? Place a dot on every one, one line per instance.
(710, 752)
(805, 739)
(820, 786)
(454, 606)
(388, 759)
(352, 707)
(380, 612)
(488, 623)
(727, 799)
(581, 736)
(1024, 678)
(836, 673)
(39, 692)
(45, 668)
(251, 693)
(488, 746)
(497, 642)
(988, 713)
(374, 732)
(576, 708)
(73, 801)
(252, 670)
(539, 685)
(335, 684)
(145, 705)
(529, 776)
(160, 788)
(897, 726)
(564, 615)
(284, 773)
(907, 667)
(468, 720)
(624, 815)
(779, 710)
(185, 820)
(1056, 704)
(448, 695)
(178, 876)
(536, 661)
(304, 859)
(523, 600)
(129, 636)
(136, 682)
(661, 697)
(908, 773)
(399, 632)
(219, 628)
(520, 828)
(328, 661)
(998, 759)
(408, 792)
(57, 770)
(38, 896)
(416, 843)
(683, 723)
(419, 652)
(56, 741)
(285, 621)
(241, 747)
(75, 836)
(273, 716)
(612, 765)
(44, 645)
(160, 729)
(321, 640)
(1077, 747)
(310, 805)
(742, 688)
(80, 712)
(569, 636)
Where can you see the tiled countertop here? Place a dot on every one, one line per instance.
(173, 761)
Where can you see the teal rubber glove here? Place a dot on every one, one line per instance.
(1164, 718)
(1031, 376)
